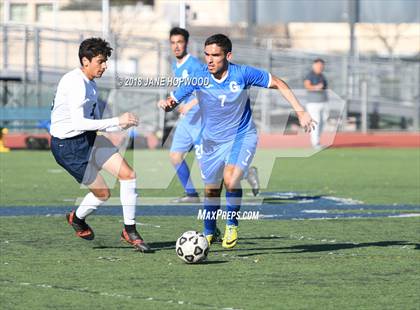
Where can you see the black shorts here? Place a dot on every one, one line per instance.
(83, 156)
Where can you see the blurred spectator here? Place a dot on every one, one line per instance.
(316, 84)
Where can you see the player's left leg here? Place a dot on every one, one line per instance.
(211, 166)
(232, 176)
(211, 206)
(184, 176)
(181, 144)
(253, 180)
(118, 167)
(99, 193)
(241, 155)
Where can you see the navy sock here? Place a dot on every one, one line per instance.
(211, 205)
(77, 220)
(130, 228)
(233, 204)
(183, 173)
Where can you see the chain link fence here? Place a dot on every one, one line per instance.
(380, 94)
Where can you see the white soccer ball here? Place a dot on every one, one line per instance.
(192, 247)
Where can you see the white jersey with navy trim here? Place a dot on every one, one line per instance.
(75, 107)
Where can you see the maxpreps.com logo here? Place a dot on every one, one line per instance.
(234, 87)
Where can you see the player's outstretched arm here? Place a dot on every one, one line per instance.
(305, 118)
(177, 96)
(128, 120)
(76, 99)
(80, 122)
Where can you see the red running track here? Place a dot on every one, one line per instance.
(375, 139)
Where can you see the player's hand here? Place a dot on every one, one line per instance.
(128, 120)
(161, 103)
(167, 105)
(306, 121)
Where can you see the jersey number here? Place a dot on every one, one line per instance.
(245, 161)
(198, 150)
(222, 100)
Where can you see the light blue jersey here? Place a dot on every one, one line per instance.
(229, 133)
(188, 130)
(225, 105)
(185, 70)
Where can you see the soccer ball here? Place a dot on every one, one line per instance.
(192, 247)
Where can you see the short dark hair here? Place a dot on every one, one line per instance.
(220, 40)
(93, 47)
(319, 60)
(179, 31)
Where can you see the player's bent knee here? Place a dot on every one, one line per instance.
(232, 185)
(129, 174)
(102, 194)
(176, 158)
(212, 192)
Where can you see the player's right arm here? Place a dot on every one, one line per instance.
(177, 96)
(77, 99)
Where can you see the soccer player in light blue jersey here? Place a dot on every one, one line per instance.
(188, 129)
(229, 133)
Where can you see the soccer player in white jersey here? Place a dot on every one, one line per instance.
(75, 121)
(229, 134)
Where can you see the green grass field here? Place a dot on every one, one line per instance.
(369, 263)
(332, 264)
(374, 176)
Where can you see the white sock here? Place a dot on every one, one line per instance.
(128, 197)
(88, 205)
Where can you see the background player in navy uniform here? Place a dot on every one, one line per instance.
(229, 134)
(75, 120)
(188, 129)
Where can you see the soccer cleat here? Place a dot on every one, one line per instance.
(82, 229)
(187, 199)
(215, 237)
(136, 241)
(209, 239)
(253, 180)
(231, 236)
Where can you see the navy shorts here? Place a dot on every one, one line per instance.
(83, 156)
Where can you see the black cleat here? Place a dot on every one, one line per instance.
(136, 241)
(187, 199)
(253, 180)
(82, 229)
